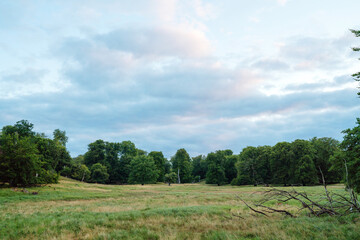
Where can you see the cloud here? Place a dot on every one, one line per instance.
(282, 2)
(160, 41)
(271, 65)
(29, 82)
(308, 53)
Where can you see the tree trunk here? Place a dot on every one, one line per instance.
(179, 181)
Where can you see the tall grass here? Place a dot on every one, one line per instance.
(75, 210)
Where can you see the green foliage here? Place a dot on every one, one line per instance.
(216, 172)
(53, 155)
(281, 160)
(181, 161)
(306, 172)
(98, 173)
(303, 169)
(159, 161)
(127, 153)
(170, 178)
(167, 166)
(199, 166)
(60, 137)
(229, 167)
(82, 173)
(27, 158)
(95, 153)
(22, 128)
(115, 156)
(79, 159)
(143, 170)
(351, 148)
(253, 166)
(324, 149)
(19, 160)
(298, 162)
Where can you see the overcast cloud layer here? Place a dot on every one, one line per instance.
(166, 74)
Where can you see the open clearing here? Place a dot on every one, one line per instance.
(75, 210)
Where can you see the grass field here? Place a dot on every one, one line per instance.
(75, 210)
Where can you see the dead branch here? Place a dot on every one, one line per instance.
(254, 210)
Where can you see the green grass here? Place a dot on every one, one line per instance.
(75, 210)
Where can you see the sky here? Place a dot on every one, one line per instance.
(203, 75)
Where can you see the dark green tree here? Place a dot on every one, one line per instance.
(215, 173)
(263, 164)
(112, 162)
(248, 167)
(19, 160)
(199, 167)
(167, 166)
(22, 128)
(324, 149)
(351, 156)
(303, 161)
(95, 153)
(143, 170)
(127, 153)
(98, 173)
(159, 160)
(282, 158)
(306, 172)
(229, 167)
(181, 163)
(28, 158)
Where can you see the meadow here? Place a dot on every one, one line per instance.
(76, 210)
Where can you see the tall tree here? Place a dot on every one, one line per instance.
(351, 147)
(159, 161)
(199, 167)
(23, 128)
(282, 158)
(127, 153)
(215, 173)
(263, 164)
(305, 171)
(303, 166)
(27, 158)
(143, 170)
(181, 164)
(324, 149)
(250, 167)
(60, 136)
(229, 167)
(19, 160)
(95, 153)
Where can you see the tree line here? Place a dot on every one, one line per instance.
(30, 158)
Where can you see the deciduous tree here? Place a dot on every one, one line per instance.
(143, 170)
